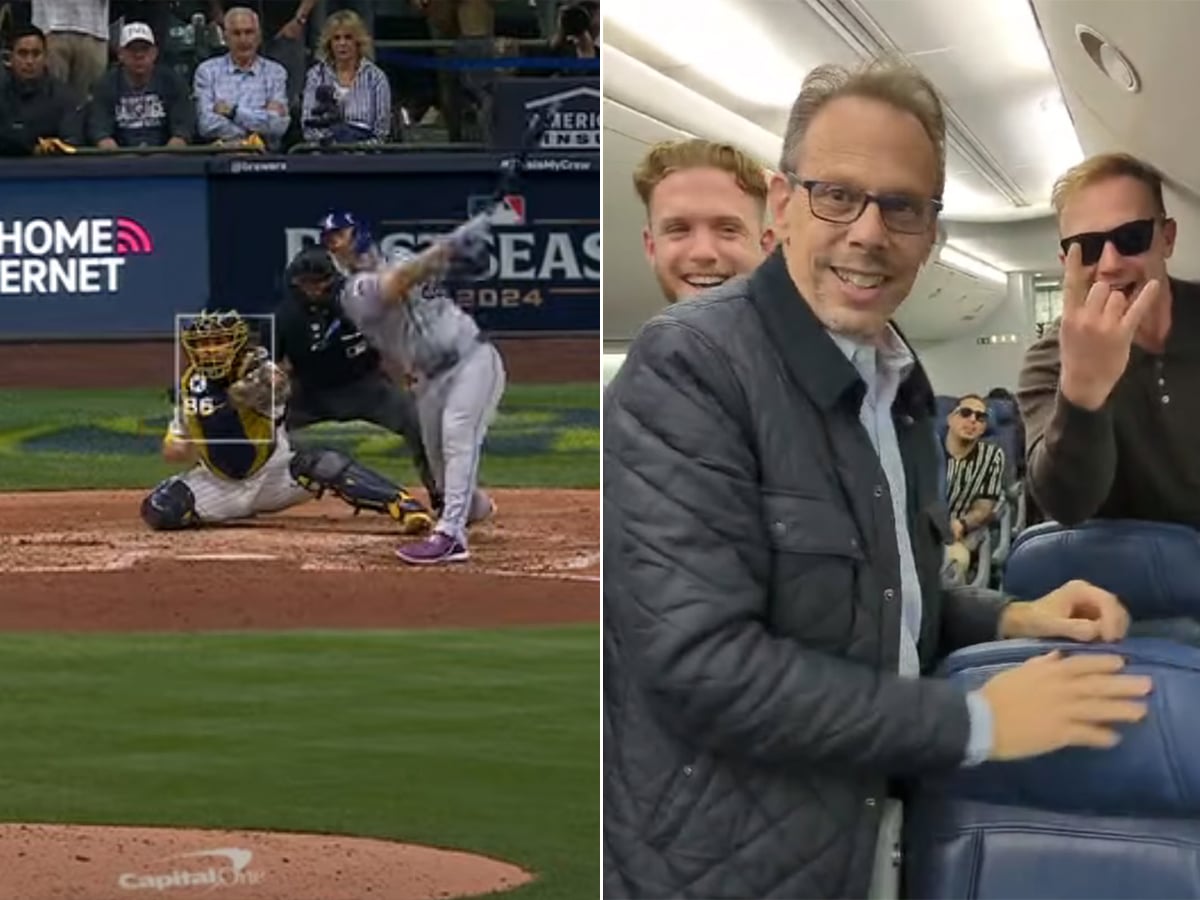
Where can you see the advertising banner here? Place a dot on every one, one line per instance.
(101, 257)
(574, 126)
(544, 271)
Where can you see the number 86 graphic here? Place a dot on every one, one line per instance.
(203, 406)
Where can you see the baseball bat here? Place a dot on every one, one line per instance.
(434, 261)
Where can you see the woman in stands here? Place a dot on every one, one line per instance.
(347, 98)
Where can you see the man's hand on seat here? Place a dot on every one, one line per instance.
(1051, 702)
(1078, 611)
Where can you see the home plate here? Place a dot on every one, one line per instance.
(225, 557)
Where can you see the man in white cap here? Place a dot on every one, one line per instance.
(139, 103)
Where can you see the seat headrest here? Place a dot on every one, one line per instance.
(1002, 412)
(1153, 771)
(1153, 567)
(945, 405)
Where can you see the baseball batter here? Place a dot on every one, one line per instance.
(460, 377)
(229, 423)
(335, 374)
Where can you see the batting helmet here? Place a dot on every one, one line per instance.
(213, 341)
(361, 239)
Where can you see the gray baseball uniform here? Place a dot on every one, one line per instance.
(461, 379)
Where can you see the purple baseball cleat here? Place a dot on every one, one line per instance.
(437, 548)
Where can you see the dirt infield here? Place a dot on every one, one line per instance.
(83, 561)
(66, 862)
(148, 364)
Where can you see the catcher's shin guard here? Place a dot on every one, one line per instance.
(355, 484)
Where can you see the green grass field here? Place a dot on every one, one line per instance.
(480, 740)
(545, 436)
(485, 740)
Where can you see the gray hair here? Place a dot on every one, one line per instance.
(243, 12)
(894, 82)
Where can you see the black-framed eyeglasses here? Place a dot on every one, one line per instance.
(978, 415)
(1131, 239)
(842, 204)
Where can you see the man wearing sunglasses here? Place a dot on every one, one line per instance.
(974, 481)
(773, 547)
(1105, 393)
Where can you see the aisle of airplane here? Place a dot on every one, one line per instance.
(1030, 89)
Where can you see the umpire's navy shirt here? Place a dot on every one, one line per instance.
(320, 362)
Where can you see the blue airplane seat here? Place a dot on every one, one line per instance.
(1004, 429)
(1154, 567)
(1079, 824)
(944, 405)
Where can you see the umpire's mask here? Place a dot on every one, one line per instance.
(314, 276)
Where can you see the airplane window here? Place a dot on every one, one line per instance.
(1047, 305)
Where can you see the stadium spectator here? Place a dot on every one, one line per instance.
(974, 482)
(578, 32)
(456, 20)
(347, 97)
(241, 93)
(76, 40)
(139, 103)
(33, 103)
(284, 24)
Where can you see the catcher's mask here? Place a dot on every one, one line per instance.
(213, 341)
(314, 275)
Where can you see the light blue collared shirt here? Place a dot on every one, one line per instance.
(249, 90)
(882, 368)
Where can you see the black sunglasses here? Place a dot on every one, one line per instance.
(1130, 239)
(978, 415)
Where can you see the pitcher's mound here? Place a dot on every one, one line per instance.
(68, 862)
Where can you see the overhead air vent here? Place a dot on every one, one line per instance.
(1108, 59)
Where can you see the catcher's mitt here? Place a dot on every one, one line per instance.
(262, 386)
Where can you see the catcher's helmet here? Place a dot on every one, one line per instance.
(213, 342)
(314, 273)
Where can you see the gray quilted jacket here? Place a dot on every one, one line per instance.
(752, 607)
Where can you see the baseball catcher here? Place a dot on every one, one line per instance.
(230, 405)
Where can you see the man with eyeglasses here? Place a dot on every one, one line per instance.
(1106, 394)
(974, 481)
(773, 547)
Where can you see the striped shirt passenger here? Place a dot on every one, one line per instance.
(974, 479)
(977, 476)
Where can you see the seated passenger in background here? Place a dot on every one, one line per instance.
(1107, 394)
(347, 98)
(241, 93)
(33, 103)
(705, 204)
(139, 103)
(974, 481)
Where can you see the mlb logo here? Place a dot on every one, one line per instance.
(511, 210)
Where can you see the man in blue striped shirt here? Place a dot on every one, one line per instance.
(241, 93)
